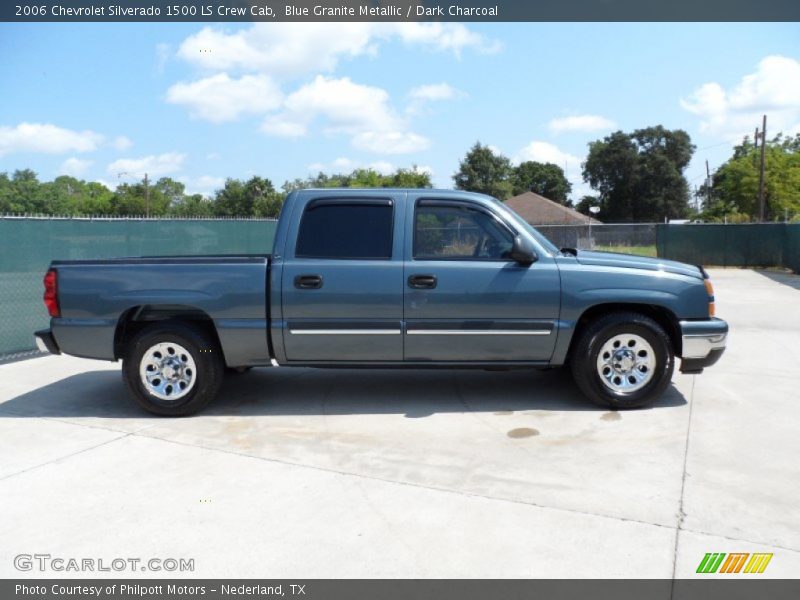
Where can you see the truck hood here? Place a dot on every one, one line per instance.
(612, 259)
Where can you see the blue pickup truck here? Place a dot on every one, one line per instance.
(387, 278)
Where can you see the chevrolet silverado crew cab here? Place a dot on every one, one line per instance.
(387, 278)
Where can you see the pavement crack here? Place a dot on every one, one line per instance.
(681, 512)
(64, 457)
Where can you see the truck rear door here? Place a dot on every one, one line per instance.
(342, 281)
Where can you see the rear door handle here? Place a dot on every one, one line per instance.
(308, 282)
(422, 282)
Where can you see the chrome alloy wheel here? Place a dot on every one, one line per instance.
(167, 371)
(626, 363)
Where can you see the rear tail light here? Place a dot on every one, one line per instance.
(710, 290)
(51, 293)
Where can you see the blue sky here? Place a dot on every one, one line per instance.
(200, 103)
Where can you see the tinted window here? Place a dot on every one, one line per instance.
(356, 230)
(447, 232)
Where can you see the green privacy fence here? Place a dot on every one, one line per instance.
(27, 245)
(747, 245)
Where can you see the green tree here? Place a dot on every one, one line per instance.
(154, 199)
(364, 178)
(25, 193)
(483, 171)
(639, 175)
(254, 197)
(193, 206)
(6, 194)
(735, 185)
(545, 179)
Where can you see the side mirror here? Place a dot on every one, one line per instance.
(522, 251)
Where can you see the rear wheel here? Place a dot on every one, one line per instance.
(623, 360)
(172, 369)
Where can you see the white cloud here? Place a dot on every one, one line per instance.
(545, 152)
(47, 139)
(390, 142)
(452, 37)
(422, 95)
(294, 49)
(434, 92)
(360, 111)
(74, 167)
(773, 89)
(582, 123)
(154, 165)
(205, 185)
(282, 126)
(220, 98)
(122, 143)
(348, 106)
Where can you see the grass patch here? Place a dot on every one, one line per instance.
(637, 250)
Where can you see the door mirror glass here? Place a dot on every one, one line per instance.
(522, 251)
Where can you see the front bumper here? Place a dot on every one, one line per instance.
(702, 343)
(45, 342)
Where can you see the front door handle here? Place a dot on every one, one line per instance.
(308, 282)
(422, 282)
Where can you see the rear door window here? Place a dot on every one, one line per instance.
(342, 229)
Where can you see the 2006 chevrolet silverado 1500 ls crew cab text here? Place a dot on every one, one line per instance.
(387, 278)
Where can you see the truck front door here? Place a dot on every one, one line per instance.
(465, 299)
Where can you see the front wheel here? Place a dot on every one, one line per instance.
(623, 360)
(171, 369)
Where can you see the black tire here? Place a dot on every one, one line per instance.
(208, 372)
(584, 356)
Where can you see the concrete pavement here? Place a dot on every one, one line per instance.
(306, 473)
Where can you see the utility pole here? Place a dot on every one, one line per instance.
(761, 174)
(146, 196)
(708, 187)
(755, 147)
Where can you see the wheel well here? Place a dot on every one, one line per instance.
(136, 318)
(663, 316)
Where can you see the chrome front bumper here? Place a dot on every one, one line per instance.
(702, 343)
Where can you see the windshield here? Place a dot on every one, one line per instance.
(548, 245)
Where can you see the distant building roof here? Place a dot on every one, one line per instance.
(538, 210)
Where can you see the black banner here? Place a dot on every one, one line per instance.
(400, 10)
(315, 589)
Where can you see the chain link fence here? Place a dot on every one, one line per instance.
(28, 244)
(638, 238)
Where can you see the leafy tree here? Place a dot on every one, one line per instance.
(545, 179)
(254, 197)
(193, 206)
(483, 171)
(25, 193)
(639, 175)
(155, 199)
(735, 185)
(364, 178)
